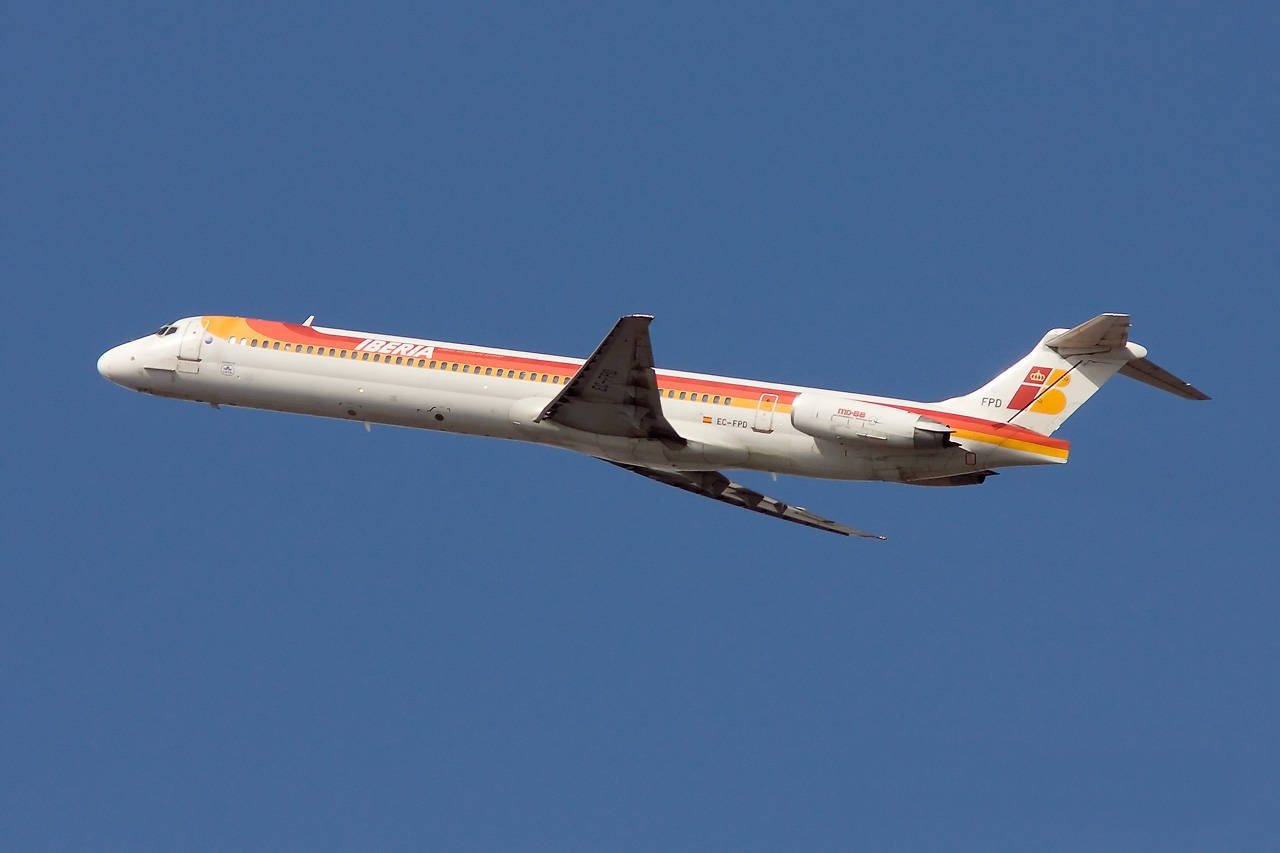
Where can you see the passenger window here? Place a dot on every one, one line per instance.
(364, 356)
(715, 399)
(728, 400)
(254, 343)
(377, 357)
(454, 368)
(399, 359)
(523, 374)
(681, 395)
(422, 362)
(433, 364)
(705, 397)
(488, 371)
(275, 345)
(544, 377)
(555, 380)
(466, 368)
(310, 350)
(331, 351)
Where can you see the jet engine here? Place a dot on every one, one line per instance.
(845, 419)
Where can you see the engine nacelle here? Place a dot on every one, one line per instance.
(845, 419)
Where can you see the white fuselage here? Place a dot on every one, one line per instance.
(728, 423)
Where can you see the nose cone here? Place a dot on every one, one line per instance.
(112, 364)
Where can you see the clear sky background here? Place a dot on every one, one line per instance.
(243, 630)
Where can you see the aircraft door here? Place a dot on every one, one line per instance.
(189, 345)
(764, 412)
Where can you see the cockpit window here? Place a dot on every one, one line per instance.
(165, 330)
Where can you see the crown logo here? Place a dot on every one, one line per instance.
(1039, 397)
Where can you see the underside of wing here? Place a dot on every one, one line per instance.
(714, 485)
(615, 392)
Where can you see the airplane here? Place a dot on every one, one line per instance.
(671, 426)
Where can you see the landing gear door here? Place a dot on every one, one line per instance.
(189, 346)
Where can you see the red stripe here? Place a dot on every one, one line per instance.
(296, 333)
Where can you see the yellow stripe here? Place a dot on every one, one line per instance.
(1014, 444)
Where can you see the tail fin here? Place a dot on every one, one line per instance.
(1066, 368)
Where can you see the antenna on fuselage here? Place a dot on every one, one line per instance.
(309, 320)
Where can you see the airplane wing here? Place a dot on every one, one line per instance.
(615, 392)
(714, 485)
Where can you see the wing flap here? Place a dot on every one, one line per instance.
(714, 485)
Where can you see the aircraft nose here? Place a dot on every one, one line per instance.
(111, 364)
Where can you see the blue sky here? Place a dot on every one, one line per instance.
(243, 630)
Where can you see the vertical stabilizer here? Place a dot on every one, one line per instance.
(1049, 383)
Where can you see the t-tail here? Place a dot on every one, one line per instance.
(1068, 365)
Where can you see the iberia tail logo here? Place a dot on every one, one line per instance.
(1032, 391)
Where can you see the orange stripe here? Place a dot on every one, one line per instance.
(744, 396)
(1013, 443)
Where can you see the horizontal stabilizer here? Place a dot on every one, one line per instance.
(1103, 333)
(1145, 370)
